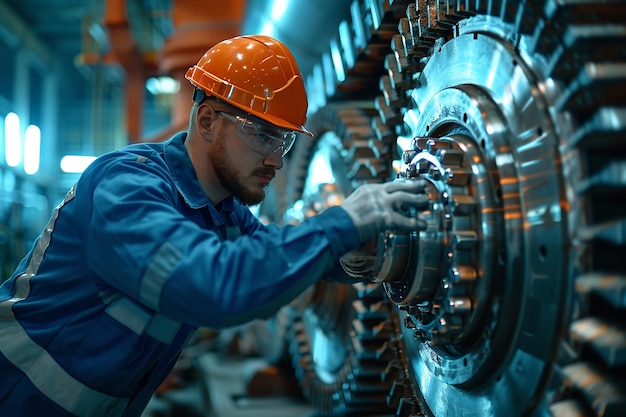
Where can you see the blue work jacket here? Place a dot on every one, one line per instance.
(132, 261)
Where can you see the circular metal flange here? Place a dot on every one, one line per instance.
(483, 97)
(448, 266)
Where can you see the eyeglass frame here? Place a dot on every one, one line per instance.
(251, 129)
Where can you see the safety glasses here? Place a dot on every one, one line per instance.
(262, 138)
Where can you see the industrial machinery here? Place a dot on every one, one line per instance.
(512, 301)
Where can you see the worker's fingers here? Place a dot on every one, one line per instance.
(374, 208)
(408, 185)
(398, 221)
(403, 200)
(403, 195)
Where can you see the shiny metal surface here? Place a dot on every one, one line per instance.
(477, 86)
(512, 301)
(486, 89)
(324, 317)
(337, 330)
(506, 302)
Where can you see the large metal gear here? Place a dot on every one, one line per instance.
(520, 94)
(338, 333)
(512, 302)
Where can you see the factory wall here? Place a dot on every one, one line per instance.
(78, 110)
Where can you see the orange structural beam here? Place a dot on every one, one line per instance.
(197, 27)
(124, 49)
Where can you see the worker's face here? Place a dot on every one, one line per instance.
(241, 170)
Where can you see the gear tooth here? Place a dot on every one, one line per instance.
(596, 85)
(585, 121)
(407, 407)
(394, 370)
(354, 385)
(612, 232)
(569, 408)
(604, 392)
(607, 338)
(610, 287)
(384, 330)
(390, 349)
(391, 97)
(400, 389)
(585, 98)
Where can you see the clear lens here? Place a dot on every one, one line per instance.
(262, 138)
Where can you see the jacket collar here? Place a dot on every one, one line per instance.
(184, 175)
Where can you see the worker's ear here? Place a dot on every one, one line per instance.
(205, 118)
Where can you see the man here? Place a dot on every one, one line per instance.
(155, 240)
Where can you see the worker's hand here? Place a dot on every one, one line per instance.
(375, 208)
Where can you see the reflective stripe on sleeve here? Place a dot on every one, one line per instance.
(140, 321)
(129, 314)
(159, 269)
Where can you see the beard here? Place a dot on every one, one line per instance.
(229, 175)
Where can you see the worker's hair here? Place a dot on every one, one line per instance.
(192, 116)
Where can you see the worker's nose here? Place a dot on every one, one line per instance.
(274, 160)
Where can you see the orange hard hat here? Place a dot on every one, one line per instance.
(257, 74)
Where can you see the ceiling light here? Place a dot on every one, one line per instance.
(75, 164)
(162, 85)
